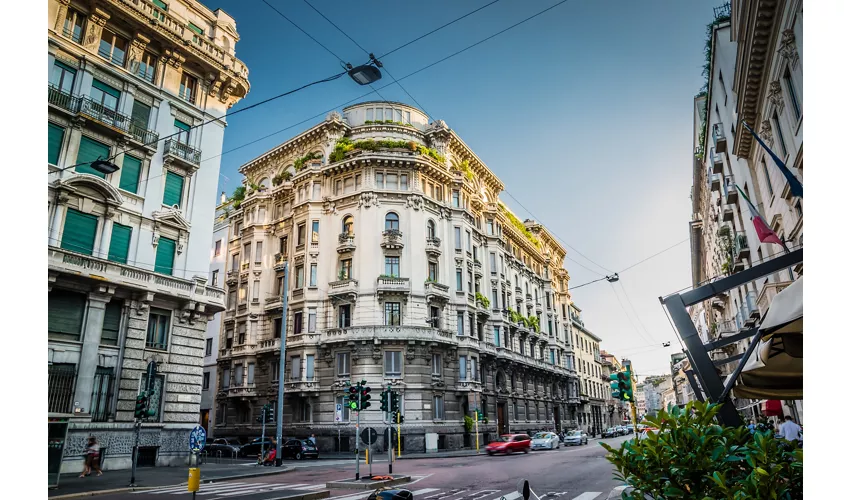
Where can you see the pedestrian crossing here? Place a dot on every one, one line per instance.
(474, 494)
(231, 489)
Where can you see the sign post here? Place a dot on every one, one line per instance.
(197, 441)
(338, 426)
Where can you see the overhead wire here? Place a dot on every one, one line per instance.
(629, 317)
(634, 311)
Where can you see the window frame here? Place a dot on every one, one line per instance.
(158, 339)
(392, 313)
(392, 356)
(188, 90)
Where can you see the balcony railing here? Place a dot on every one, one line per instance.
(106, 116)
(768, 292)
(141, 134)
(438, 289)
(390, 284)
(392, 238)
(719, 137)
(346, 243)
(62, 100)
(342, 287)
(741, 248)
(714, 181)
(183, 152)
(74, 36)
(432, 246)
(717, 163)
(729, 190)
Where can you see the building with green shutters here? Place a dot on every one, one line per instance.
(128, 254)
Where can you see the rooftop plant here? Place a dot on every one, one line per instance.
(519, 225)
(299, 162)
(706, 73)
(237, 197)
(345, 145)
(467, 172)
(533, 323)
(388, 122)
(282, 177)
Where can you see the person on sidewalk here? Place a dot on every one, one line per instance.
(92, 458)
(789, 430)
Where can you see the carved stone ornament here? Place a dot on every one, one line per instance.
(410, 353)
(329, 206)
(367, 200)
(333, 116)
(155, 239)
(788, 47)
(766, 132)
(377, 354)
(774, 93)
(414, 201)
(445, 213)
(214, 88)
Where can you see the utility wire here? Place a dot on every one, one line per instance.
(633, 265)
(634, 311)
(629, 317)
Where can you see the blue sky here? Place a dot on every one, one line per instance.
(584, 112)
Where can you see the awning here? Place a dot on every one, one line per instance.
(775, 369)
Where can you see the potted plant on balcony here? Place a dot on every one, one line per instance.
(533, 322)
(481, 299)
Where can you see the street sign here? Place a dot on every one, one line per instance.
(474, 400)
(197, 439)
(369, 435)
(339, 412)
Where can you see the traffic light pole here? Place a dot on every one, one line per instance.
(280, 392)
(477, 449)
(263, 438)
(138, 428)
(357, 440)
(398, 432)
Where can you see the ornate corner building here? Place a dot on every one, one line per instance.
(128, 251)
(404, 269)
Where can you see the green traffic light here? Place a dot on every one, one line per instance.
(353, 405)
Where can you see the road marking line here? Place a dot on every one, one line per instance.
(424, 490)
(588, 495)
(224, 490)
(446, 494)
(314, 487)
(510, 496)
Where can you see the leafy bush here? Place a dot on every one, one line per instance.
(533, 322)
(519, 225)
(468, 423)
(484, 300)
(691, 456)
(299, 163)
(237, 197)
(282, 177)
(345, 145)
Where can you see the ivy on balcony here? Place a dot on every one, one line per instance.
(388, 122)
(484, 300)
(519, 225)
(345, 145)
(298, 164)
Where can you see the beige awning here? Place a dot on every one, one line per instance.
(775, 368)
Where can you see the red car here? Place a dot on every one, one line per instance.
(510, 443)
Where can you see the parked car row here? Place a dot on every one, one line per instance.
(231, 447)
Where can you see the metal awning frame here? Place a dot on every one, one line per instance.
(701, 363)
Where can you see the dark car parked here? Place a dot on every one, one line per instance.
(229, 447)
(252, 449)
(298, 449)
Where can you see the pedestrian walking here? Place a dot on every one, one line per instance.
(312, 439)
(92, 461)
(789, 430)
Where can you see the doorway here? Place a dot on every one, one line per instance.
(205, 420)
(557, 418)
(501, 418)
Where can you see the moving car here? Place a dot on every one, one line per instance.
(545, 441)
(229, 447)
(298, 449)
(509, 443)
(611, 432)
(575, 438)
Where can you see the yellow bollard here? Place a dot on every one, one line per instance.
(194, 479)
(367, 455)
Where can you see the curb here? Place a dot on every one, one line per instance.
(203, 481)
(316, 495)
(426, 455)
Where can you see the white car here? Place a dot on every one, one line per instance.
(575, 437)
(545, 441)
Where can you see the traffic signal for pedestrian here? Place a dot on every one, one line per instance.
(626, 387)
(352, 397)
(385, 401)
(365, 397)
(141, 406)
(395, 401)
(397, 418)
(270, 413)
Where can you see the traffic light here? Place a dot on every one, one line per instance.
(479, 414)
(385, 401)
(394, 401)
(626, 387)
(141, 406)
(270, 413)
(616, 389)
(397, 418)
(365, 397)
(352, 397)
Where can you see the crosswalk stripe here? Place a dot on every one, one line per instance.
(510, 496)
(262, 487)
(314, 487)
(225, 490)
(588, 495)
(423, 491)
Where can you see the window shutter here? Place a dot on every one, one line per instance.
(55, 133)
(181, 126)
(91, 150)
(173, 194)
(196, 29)
(111, 323)
(119, 246)
(65, 314)
(106, 88)
(79, 231)
(165, 256)
(141, 114)
(130, 171)
(159, 3)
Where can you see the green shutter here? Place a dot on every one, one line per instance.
(141, 114)
(91, 150)
(111, 323)
(55, 133)
(64, 66)
(130, 170)
(181, 126)
(119, 246)
(160, 4)
(65, 312)
(106, 88)
(196, 29)
(173, 194)
(165, 255)
(79, 231)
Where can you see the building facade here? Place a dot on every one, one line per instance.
(595, 392)
(404, 269)
(764, 88)
(128, 251)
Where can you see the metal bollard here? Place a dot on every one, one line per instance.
(194, 483)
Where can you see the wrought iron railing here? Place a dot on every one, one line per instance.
(142, 134)
(183, 151)
(107, 116)
(62, 100)
(60, 387)
(102, 394)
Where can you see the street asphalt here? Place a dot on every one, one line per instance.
(573, 473)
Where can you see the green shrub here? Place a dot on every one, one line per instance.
(692, 456)
(468, 423)
(484, 300)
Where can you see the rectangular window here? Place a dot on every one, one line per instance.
(392, 363)
(468, 241)
(314, 236)
(309, 367)
(301, 231)
(147, 67)
(379, 180)
(403, 182)
(490, 226)
(188, 88)
(111, 323)
(158, 325)
(299, 277)
(131, 170)
(119, 245)
(208, 347)
(379, 114)
(295, 368)
(459, 279)
(439, 412)
(317, 191)
(65, 311)
(392, 313)
(73, 27)
(298, 323)
(776, 125)
(225, 378)
(342, 401)
(79, 231)
(206, 386)
(55, 135)
(436, 365)
(432, 271)
(311, 320)
(344, 313)
(345, 269)
(173, 193)
(258, 253)
(239, 375)
(314, 274)
(392, 181)
(391, 266)
(255, 292)
(455, 198)
(105, 96)
(165, 255)
(112, 47)
(458, 241)
(493, 268)
(767, 176)
(792, 93)
(250, 373)
(195, 28)
(462, 370)
(497, 339)
(90, 150)
(234, 262)
(473, 368)
(460, 319)
(62, 79)
(140, 116)
(183, 131)
(343, 364)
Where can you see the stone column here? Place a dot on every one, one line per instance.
(72, 148)
(94, 28)
(55, 235)
(106, 234)
(91, 340)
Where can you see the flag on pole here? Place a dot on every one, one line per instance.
(764, 232)
(796, 187)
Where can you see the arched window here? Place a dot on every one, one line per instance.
(391, 222)
(432, 229)
(348, 225)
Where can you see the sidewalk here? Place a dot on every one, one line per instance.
(71, 485)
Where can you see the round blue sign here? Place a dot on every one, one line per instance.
(197, 439)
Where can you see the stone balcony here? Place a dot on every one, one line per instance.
(268, 345)
(392, 240)
(768, 292)
(209, 299)
(181, 154)
(302, 386)
(384, 332)
(279, 260)
(245, 391)
(388, 284)
(346, 288)
(478, 269)
(432, 247)
(468, 385)
(346, 243)
(434, 290)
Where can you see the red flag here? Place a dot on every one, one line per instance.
(764, 232)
